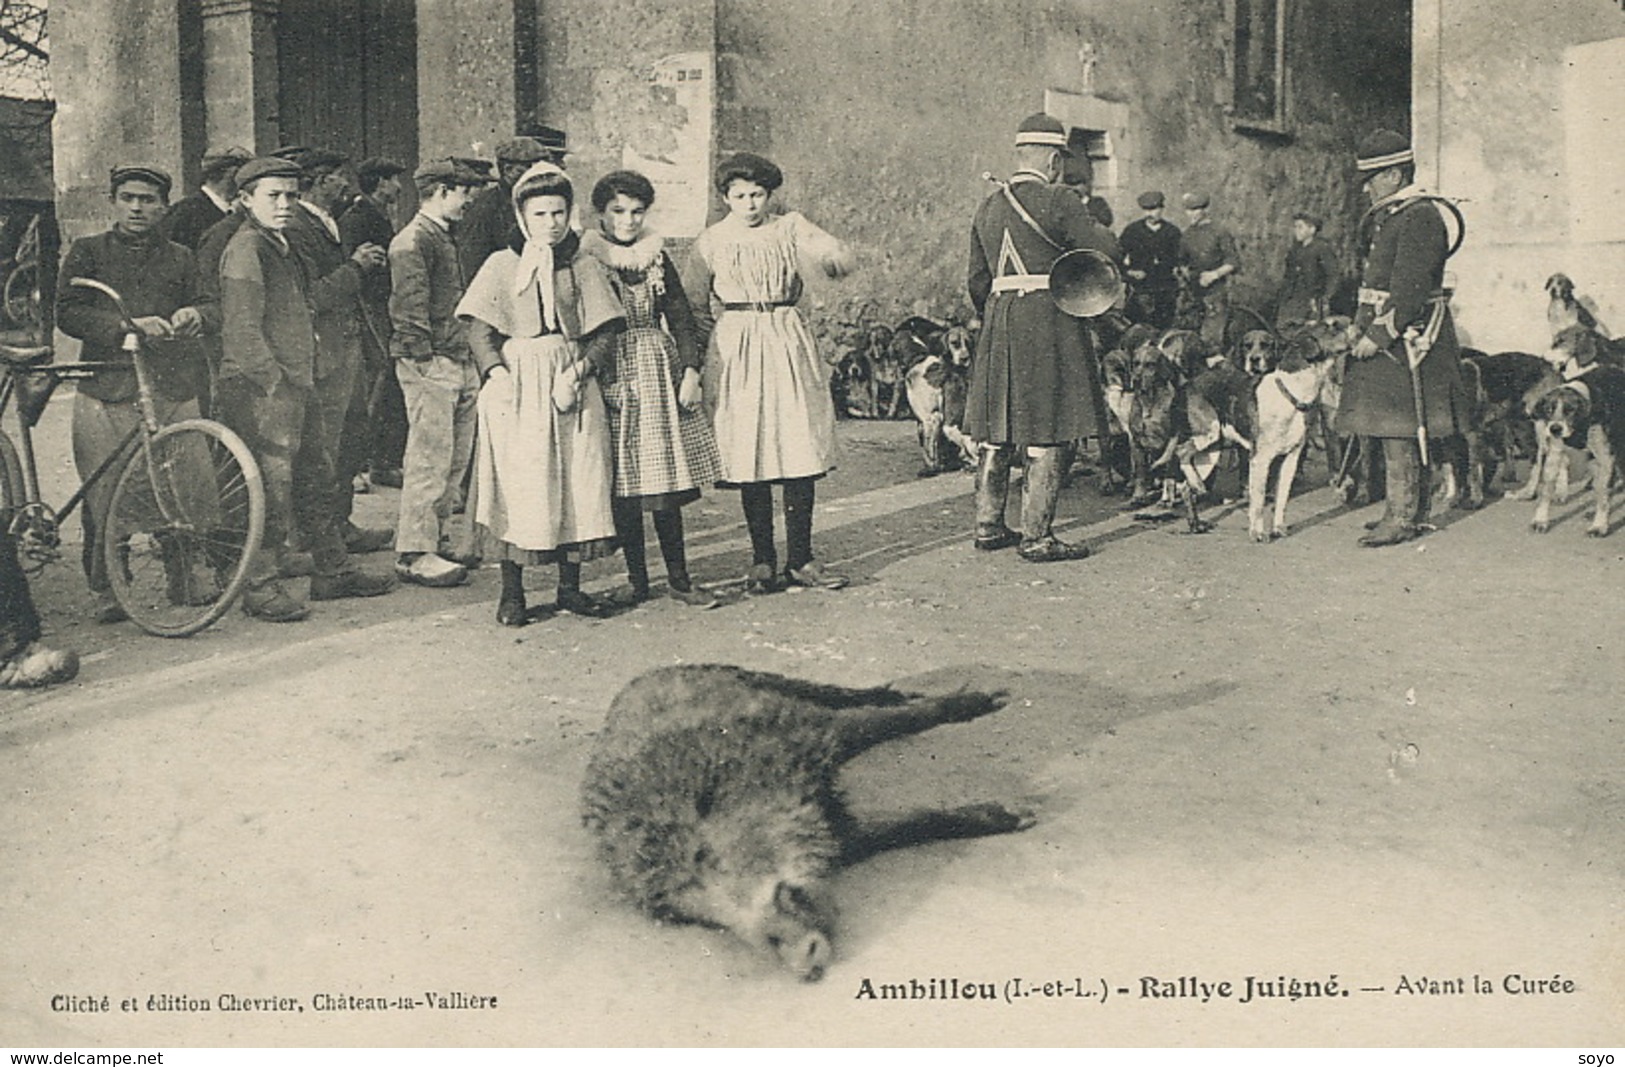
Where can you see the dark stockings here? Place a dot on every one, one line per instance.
(628, 515)
(757, 499)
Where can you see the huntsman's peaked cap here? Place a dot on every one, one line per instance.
(1153, 199)
(1383, 149)
(1042, 129)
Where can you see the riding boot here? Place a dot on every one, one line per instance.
(1040, 491)
(1403, 476)
(992, 494)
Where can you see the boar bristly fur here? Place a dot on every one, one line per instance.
(713, 795)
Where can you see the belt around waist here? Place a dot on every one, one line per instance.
(758, 305)
(1020, 283)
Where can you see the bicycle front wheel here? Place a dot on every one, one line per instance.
(22, 295)
(11, 483)
(186, 518)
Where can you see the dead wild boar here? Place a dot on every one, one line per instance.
(712, 793)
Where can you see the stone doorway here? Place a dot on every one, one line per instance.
(347, 76)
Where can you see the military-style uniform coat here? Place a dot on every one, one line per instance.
(1033, 381)
(1403, 270)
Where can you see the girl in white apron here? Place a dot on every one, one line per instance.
(765, 385)
(542, 324)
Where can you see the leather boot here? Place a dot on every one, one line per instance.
(1040, 490)
(992, 494)
(1404, 495)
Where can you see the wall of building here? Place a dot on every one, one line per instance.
(1495, 117)
(465, 98)
(116, 73)
(613, 86)
(885, 117)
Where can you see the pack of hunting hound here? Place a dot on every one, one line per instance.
(1176, 407)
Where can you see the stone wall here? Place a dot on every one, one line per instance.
(116, 73)
(885, 116)
(1494, 123)
(466, 99)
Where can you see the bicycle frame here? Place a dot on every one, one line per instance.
(33, 506)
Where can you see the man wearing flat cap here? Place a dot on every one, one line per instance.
(1208, 255)
(489, 219)
(438, 377)
(1403, 309)
(1150, 253)
(336, 278)
(187, 221)
(266, 392)
(157, 279)
(1033, 383)
(371, 220)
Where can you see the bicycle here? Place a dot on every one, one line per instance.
(20, 296)
(167, 518)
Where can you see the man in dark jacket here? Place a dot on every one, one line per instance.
(192, 216)
(486, 223)
(1150, 253)
(158, 282)
(1033, 383)
(370, 221)
(186, 224)
(1404, 313)
(1311, 274)
(266, 382)
(336, 279)
(1208, 254)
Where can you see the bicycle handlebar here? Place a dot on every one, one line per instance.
(111, 293)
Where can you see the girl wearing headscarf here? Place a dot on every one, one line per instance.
(542, 324)
(764, 383)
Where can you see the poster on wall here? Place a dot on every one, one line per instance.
(676, 155)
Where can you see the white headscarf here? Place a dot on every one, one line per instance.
(536, 259)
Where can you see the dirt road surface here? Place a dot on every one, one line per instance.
(1387, 781)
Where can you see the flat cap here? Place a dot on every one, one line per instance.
(1042, 129)
(447, 171)
(141, 172)
(319, 159)
(1382, 149)
(1194, 201)
(219, 159)
(1152, 199)
(379, 166)
(479, 167)
(521, 150)
(267, 167)
(290, 151)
